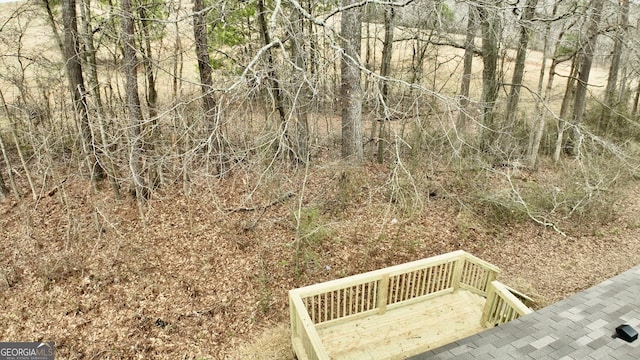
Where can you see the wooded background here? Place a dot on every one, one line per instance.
(143, 94)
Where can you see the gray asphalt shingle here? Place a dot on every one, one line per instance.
(581, 326)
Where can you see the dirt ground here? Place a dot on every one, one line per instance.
(206, 276)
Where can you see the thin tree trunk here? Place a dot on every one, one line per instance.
(152, 93)
(636, 100)
(76, 87)
(585, 65)
(541, 104)
(385, 71)
(94, 89)
(610, 100)
(133, 103)
(490, 32)
(518, 70)
(465, 83)
(3, 188)
(569, 92)
(206, 84)
(350, 89)
(274, 79)
(303, 98)
(5, 155)
(54, 26)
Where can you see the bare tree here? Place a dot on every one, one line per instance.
(90, 66)
(3, 188)
(303, 98)
(133, 102)
(385, 71)
(350, 90)
(490, 25)
(586, 59)
(610, 100)
(53, 24)
(209, 105)
(147, 61)
(518, 71)
(535, 137)
(276, 86)
(76, 86)
(465, 82)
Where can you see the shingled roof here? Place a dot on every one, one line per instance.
(579, 327)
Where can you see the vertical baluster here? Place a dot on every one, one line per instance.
(464, 279)
(351, 296)
(407, 286)
(421, 280)
(394, 288)
(374, 295)
(401, 286)
(331, 300)
(414, 283)
(359, 298)
(325, 315)
(343, 299)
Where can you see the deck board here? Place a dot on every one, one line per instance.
(406, 331)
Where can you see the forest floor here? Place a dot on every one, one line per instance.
(206, 276)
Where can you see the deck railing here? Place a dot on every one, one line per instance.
(502, 306)
(375, 292)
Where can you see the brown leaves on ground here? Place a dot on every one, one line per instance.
(198, 280)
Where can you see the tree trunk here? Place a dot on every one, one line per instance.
(5, 154)
(385, 71)
(542, 104)
(76, 86)
(52, 23)
(133, 103)
(350, 89)
(274, 80)
(3, 188)
(636, 99)
(387, 51)
(465, 83)
(91, 68)
(302, 105)
(585, 66)
(569, 95)
(490, 32)
(152, 93)
(610, 101)
(570, 89)
(206, 83)
(518, 70)
(90, 53)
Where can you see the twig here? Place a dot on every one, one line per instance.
(277, 201)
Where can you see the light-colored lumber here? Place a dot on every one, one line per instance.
(407, 330)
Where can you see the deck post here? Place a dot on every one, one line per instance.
(457, 273)
(293, 316)
(383, 294)
(488, 305)
(491, 276)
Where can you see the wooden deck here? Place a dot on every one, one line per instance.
(400, 311)
(408, 330)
